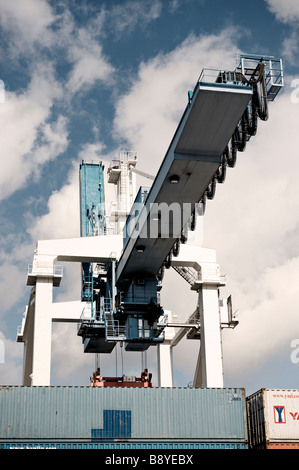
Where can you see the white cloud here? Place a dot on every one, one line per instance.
(63, 216)
(286, 11)
(28, 139)
(15, 255)
(174, 5)
(27, 26)
(81, 369)
(38, 31)
(89, 62)
(11, 368)
(53, 142)
(127, 16)
(267, 328)
(290, 47)
(92, 151)
(31, 136)
(8, 272)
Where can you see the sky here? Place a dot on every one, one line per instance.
(83, 80)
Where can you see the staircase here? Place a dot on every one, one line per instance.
(189, 274)
(113, 330)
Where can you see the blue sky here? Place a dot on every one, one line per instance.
(84, 79)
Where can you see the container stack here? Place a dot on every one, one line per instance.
(122, 418)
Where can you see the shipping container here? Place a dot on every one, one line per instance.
(147, 418)
(273, 419)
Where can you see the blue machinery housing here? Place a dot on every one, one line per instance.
(221, 116)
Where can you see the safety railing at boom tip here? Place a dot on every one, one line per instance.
(273, 71)
(273, 74)
(208, 75)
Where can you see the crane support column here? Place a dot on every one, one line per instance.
(27, 339)
(41, 360)
(43, 275)
(209, 369)
(164, 357)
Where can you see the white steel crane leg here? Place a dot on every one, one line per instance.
(165, 377)
(41, 353)
(164, 356)
(209, 368)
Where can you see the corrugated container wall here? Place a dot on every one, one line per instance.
(132, 416)
(273, 419)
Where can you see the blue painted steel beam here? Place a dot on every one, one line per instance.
(92, 199)
(92, 214)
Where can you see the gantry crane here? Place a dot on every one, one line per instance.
(122, 274)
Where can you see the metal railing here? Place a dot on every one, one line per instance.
(212, 278)
(219, 76)
(247, 65)
(115, 330)
(40, 269)
(193, 276)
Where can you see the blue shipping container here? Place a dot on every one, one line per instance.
(127, 417)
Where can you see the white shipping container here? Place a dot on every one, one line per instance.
(273, 417)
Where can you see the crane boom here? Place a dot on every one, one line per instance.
(190, 163)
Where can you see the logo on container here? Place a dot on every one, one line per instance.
(279, 414)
